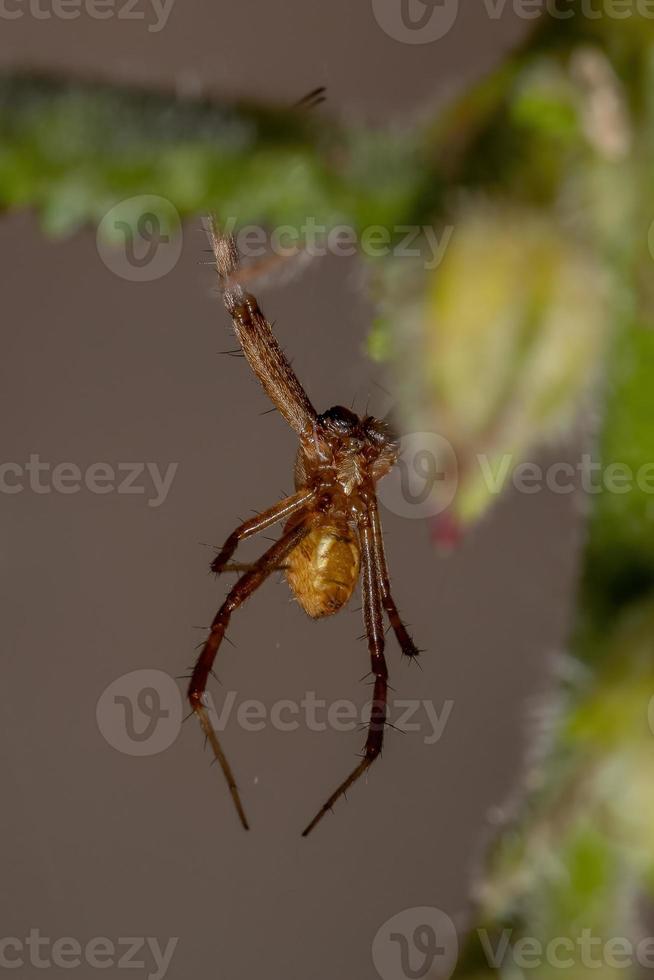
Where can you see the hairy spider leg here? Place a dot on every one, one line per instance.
(407, 646)
(237, 595)
(372, 615)
(280, 512)
(260, 346)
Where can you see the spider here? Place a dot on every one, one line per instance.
(331, 527)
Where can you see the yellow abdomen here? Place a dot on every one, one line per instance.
(323, 570)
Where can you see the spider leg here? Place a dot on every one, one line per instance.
(236, 597)
(280, 512)
(255, 335)
(372, 614)
(312, 98)
(407, 646)
(243, 566)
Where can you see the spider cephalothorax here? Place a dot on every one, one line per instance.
(349, 450)
(332, 533)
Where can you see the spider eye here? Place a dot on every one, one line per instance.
(339, 418)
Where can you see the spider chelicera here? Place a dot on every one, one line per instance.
(331, 527)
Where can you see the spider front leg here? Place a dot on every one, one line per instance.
(407, 646)
(372, 614)
(204, 664)
(280, 512)
(257, 340)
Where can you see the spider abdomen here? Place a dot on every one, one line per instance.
(323, 569)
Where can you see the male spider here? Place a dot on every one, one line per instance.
(331, 531)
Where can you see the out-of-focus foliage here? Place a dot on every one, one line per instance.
(549, 203)
(73, 150)
(499, 343)
(620, 555)
(576, 856)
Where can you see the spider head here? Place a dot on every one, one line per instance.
(339, 420)
(354, 449)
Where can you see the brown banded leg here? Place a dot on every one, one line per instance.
(204, 664)
(407, 646)
(246, 566)
(280, 512)
(254, 334)
(372, 614)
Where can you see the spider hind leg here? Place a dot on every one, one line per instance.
(372, 613)
(405, 641)
(237, 595)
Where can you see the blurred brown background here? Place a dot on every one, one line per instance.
(96, 368)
